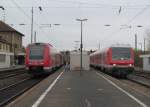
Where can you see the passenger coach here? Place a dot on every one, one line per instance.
(118, 61)
(42, 58)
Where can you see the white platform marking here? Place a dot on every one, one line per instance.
(119, 88)
(100, 89)
(68, 88)
(87, 102)
(37, 103)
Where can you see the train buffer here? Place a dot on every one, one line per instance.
(70, 89)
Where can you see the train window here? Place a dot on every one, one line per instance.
(2, 57)
(36, 52)
(121, 53)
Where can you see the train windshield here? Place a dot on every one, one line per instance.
(121, 53)
(36, 52)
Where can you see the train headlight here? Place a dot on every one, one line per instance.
(130, 65)
(27, 68)
(114, 64)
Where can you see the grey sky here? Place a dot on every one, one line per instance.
(64, 12)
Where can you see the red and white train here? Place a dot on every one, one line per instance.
(42, 58)
(117, 61)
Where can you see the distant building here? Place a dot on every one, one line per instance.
(75, 58)
(10, 42)
(146, 62)
(66, 56)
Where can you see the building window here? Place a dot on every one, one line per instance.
(149, 60)
(7, 48)
(2, 57)
(0, 46)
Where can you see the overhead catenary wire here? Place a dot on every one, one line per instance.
(96, 7)
(130, 21)
(29, 17)
(94, 4)
(138, 14)
(20, 8)
(89, 5)
(84, 5)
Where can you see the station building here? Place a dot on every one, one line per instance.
(75, 58)
(146, 62)
(11, 49)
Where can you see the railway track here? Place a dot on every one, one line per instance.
(140, 78)
(133, 84)
(8, 74)
(10, 92)
(143, 74)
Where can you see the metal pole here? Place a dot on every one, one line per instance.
(99, 46)
(35, 37)
(81, 46)
(135, 42)
(4, 15)
(32, 25)
(144, 45)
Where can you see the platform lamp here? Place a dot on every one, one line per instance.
(81, 45)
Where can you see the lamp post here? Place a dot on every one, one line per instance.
(32, 21)
(81, 45)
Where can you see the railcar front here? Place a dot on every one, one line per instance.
(38, 59)
(121, 61)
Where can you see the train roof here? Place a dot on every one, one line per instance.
(40, 43)
(103, 50)
(121, 45)
(48, 44)
(96, 52)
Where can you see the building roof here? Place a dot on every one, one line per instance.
(6, 28)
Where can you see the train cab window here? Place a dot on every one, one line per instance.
(36, 52)
(121, 53)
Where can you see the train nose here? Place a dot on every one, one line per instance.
(36, 63)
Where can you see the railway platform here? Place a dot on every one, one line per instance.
(16, 67)
(91, 89)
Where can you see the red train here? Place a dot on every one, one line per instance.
(42, 58)
(117, 61)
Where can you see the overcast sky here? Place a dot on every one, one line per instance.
(64, 12)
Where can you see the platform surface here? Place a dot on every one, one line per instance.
(72, 90)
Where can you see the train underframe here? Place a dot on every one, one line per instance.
(41, 71)
(121, 72)
(116, 71)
